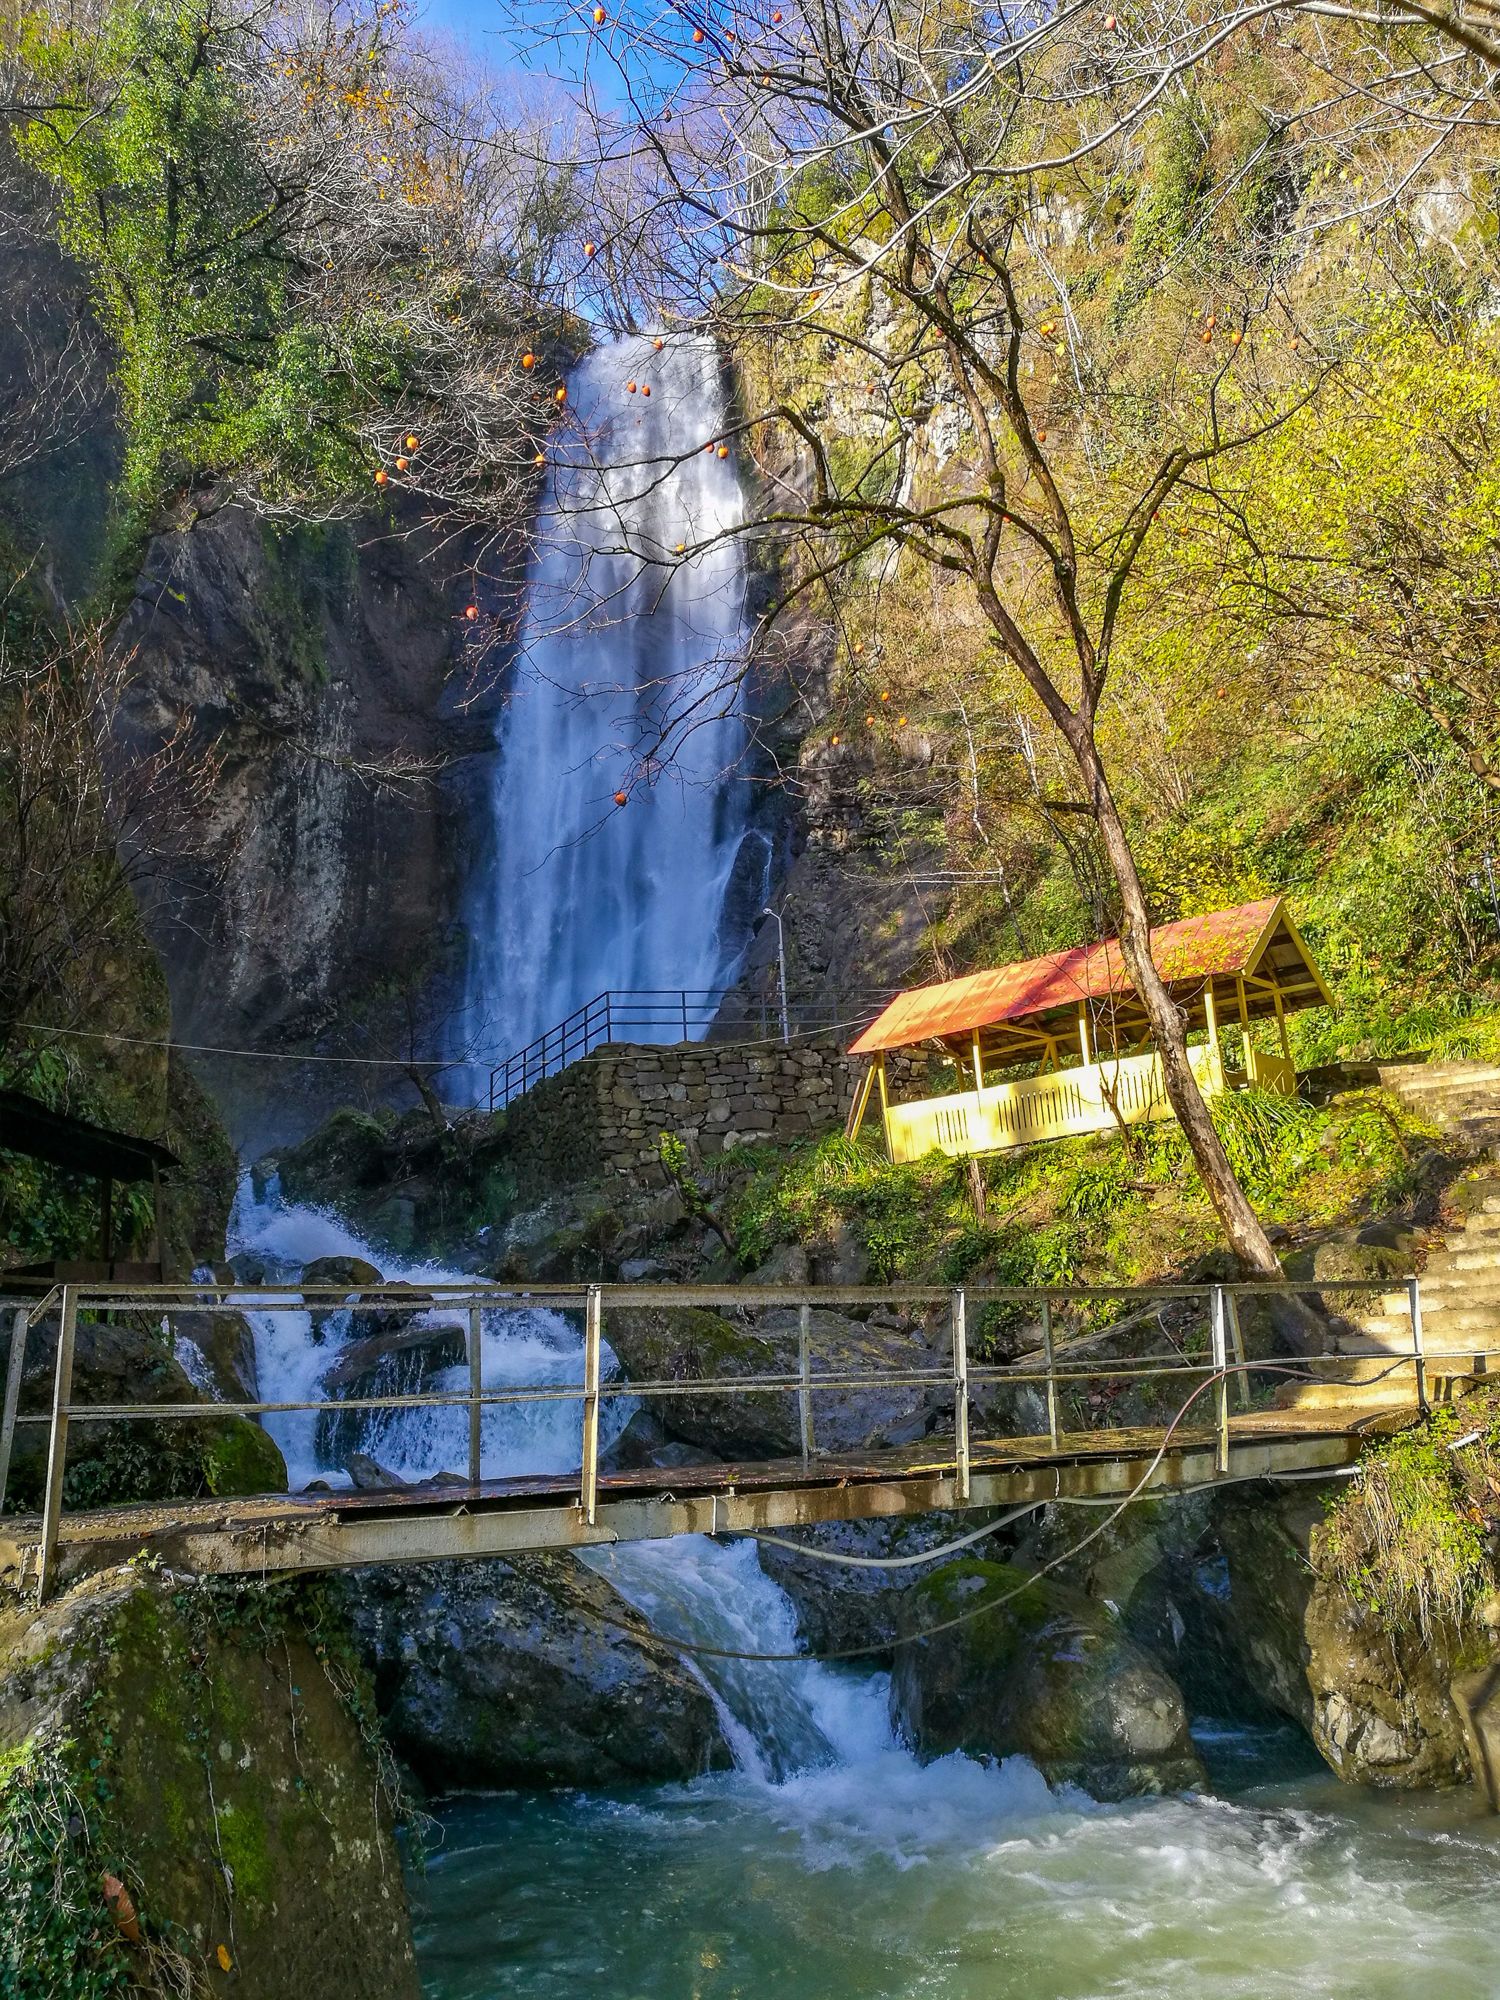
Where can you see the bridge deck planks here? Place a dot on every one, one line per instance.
(147, 1521)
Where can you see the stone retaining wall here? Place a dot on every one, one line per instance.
(604, 1116)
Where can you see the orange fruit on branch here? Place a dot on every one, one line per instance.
(559, 395)
(382, 478)
(622, 798)
(471, 612)
(697, 34)
(411, 443)
(528, 362)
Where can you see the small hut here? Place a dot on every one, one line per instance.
(1060, 1045)
(33, 1129)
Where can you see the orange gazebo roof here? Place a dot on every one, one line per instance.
(1256, 942)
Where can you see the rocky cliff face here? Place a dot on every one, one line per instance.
(320, 665)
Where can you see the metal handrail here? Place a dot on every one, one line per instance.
(623, 1012)
(1223, 1363)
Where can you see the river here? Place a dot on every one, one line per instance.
(878, 1880)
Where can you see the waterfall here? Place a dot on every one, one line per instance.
(625, 685)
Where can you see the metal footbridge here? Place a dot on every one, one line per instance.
(1115, 1393)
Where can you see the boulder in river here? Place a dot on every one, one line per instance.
(1044, 1674)
(843, 1605)
(129, 1359)
(1376, 1698)
(684, 1345)
(220, 1354)
(530, 1670)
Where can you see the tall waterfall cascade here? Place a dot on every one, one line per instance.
(626, 685)
(628, 651)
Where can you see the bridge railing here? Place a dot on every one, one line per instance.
(1078, 1364)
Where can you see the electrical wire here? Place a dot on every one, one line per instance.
(416, 1062)
(1015, 1514)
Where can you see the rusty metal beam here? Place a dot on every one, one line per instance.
(419, 1527)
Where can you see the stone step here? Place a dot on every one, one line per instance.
(1398, 1076)
(1438, 1295)
(1332, 1396)
(1444, 1086)
(1442, 1333)
(1447, 1261)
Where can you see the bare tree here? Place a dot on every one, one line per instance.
(844, 195)
(83, 829)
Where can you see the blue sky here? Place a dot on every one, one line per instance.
(472, 21)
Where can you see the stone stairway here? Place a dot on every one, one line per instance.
(1460, 1272)
(1461, 1097)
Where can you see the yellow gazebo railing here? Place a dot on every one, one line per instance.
(1091, 1097)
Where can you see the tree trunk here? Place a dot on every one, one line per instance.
(1241, 1225)
(431, 1102)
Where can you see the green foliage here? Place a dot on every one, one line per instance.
(45, 1211)
(57, 1939)
(1175, 182)
(902, 1212)
(168, 202)
(1410, 1536)
(1098, 1210)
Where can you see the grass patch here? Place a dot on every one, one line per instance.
(1102, 1210)
(1410, 1537)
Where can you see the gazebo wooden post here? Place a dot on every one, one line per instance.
(1286, 1045)
(1247, 1048)
(1211, 1022)
(978, 1066)
(1085, 1040)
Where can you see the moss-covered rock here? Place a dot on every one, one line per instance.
(1372, 1690)
(131, 1361)
(529, 1671)
(839, 1606)
(211, 1749)
(687, 1346)
(1044, 1673)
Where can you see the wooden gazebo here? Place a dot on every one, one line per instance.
(33, 1129)
(1073, 1020)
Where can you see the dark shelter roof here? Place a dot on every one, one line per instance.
(1255, 941)
(28, 1126)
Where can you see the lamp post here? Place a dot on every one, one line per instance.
(786, 1032)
